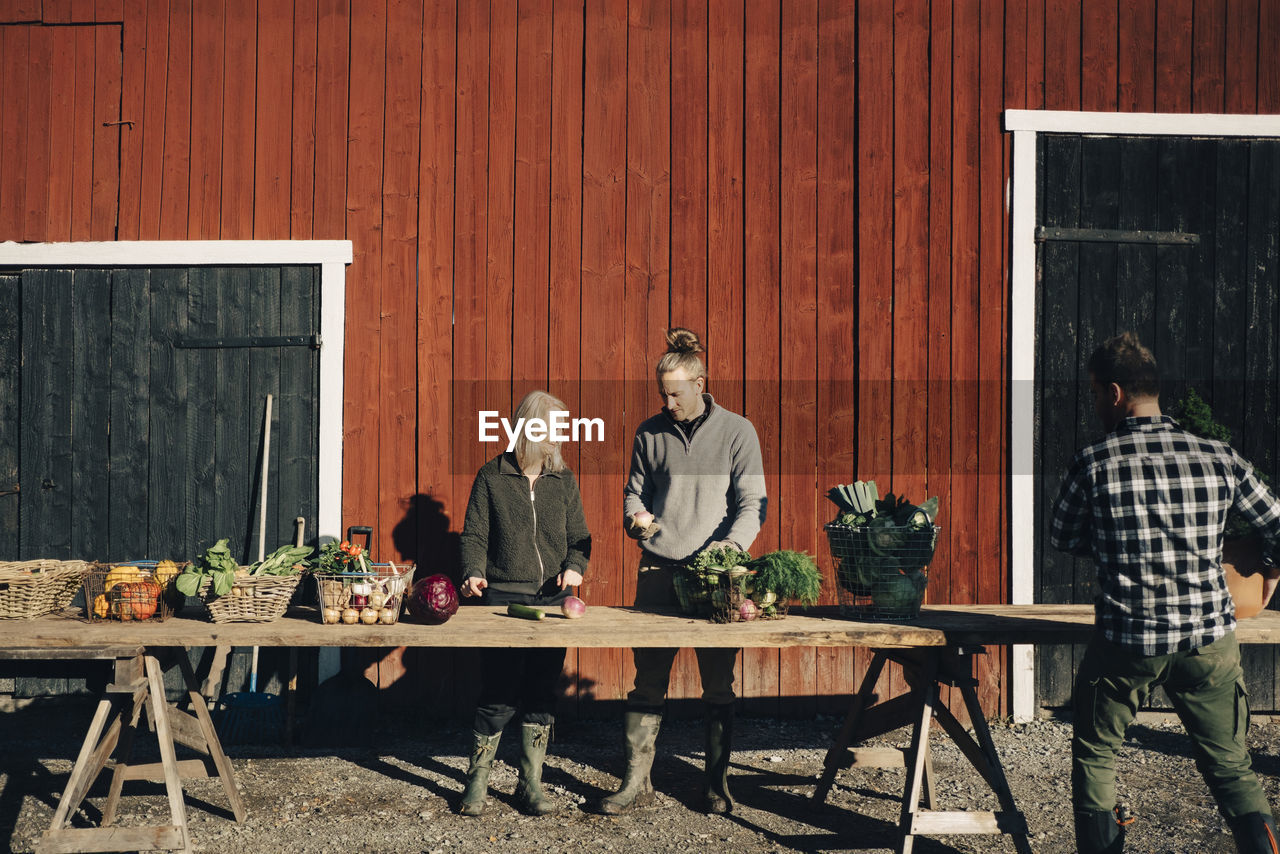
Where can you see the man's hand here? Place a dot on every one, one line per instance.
(638, 531)
(724, 544)
(1270, 578)
(473, 585)
(569, 578)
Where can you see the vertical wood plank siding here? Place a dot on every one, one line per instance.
(536, 189)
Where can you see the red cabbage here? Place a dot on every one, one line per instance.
(433, 599)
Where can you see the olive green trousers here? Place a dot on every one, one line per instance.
(1206, 687)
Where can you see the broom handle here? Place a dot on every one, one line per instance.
(266, 457)
(262, 527)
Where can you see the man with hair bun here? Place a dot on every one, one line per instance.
(696, 482)
(1149, 504)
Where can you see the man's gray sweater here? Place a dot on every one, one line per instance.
(702, 490)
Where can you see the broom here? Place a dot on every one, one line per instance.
(250, 717)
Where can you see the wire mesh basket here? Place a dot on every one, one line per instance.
(133, 590)
(882, 571)
(692, 593)
(368, 598)
(732, 591)
(33, 588)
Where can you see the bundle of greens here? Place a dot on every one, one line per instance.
(286, 560)
(787, 575)
(859, 504)
(718, 559)
(216, 565)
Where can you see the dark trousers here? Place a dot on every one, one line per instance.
(519, 679)
(654, 588)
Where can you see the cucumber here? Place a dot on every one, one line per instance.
(525, 612)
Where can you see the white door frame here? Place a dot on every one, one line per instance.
(331, 256)
(1025, 125)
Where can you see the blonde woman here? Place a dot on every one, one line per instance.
(524, 540)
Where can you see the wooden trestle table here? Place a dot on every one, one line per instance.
(936, 649)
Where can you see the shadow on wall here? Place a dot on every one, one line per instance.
(423, 536)
(433, 680)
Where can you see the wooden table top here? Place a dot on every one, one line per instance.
(480, 626)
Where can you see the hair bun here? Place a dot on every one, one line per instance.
(681, 340)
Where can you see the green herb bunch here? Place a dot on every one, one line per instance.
(789, 575)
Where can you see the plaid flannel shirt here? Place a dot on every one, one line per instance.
(1149, 503)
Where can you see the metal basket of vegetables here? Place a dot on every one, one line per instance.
(135, 590)
(698, 582)
(352, 590)
(881, 549)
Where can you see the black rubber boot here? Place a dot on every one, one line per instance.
(534, 739)
(484, 748)
(1099, 832)
(636, 789)
(1255, 833)
(719, 744)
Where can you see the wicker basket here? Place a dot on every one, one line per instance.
(368, 598)
(107, 598)
(33, 588)
(260, 599)
(882, 571)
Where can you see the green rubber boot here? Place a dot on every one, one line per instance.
(1255, 833)
(719, 741)
(636, 790)
(484, 748)
(534, 739)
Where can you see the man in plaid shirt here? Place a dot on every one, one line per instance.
(1149, 503)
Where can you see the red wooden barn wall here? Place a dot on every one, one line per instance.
(536, 189)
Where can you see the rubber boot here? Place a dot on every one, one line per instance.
(484, 748)
(1099, 832)
(636, 790)
(716, 796)
(1255, 833)
(534, 739)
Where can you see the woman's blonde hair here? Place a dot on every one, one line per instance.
(683, 348)
(538, 404)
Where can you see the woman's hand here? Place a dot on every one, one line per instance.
(473, 585)
(569, 578)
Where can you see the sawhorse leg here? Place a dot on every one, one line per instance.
(926, 670)
(139, 684)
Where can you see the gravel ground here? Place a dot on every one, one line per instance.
(396, 797)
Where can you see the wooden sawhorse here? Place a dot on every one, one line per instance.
(138, 683)
(926, 669)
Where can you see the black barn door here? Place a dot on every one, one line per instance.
(141, 407)
(1176, 239)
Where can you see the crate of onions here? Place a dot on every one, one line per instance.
(352, 590)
